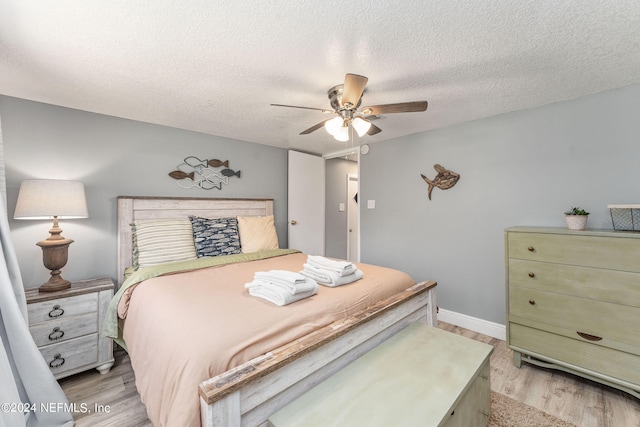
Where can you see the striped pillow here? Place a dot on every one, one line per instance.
(162, 240)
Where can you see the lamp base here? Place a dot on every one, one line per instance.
(56, 283)
(54, 256)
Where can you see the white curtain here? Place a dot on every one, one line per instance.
(25, 380)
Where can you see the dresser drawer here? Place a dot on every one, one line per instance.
(583, 355)
(62, 307)
(614, 253)
(620, 287)
(613, 323)
(71, 354)
(64, 328)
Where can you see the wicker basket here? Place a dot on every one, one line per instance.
(625, 217)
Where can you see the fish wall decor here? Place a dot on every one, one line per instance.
(206, 174)
(444, 180)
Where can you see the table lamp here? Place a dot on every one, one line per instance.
(46, 199)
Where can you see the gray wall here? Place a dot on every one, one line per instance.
(112, 157)
(336, 192)
(521, 168)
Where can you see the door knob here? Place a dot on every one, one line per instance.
(294, 222)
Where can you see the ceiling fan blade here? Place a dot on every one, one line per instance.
(373, 130)
(314, 128)
(403, 107)
(324, 110)
(353, 88)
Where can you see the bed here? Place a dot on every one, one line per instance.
(178, 322)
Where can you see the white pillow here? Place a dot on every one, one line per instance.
(162, 240)
(257, 233)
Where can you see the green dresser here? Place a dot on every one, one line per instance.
(573, 302)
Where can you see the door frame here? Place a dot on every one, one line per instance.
(352, 153)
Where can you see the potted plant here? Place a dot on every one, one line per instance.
(576, 218)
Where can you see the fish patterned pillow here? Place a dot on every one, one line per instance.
(215, 236)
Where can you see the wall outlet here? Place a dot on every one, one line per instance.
(371, 204)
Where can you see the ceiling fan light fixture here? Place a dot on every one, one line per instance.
(342, 134)
(334, 125)
(361, 126)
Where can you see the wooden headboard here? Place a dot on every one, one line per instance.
(134, 208)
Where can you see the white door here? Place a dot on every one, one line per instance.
(306, 203)
(353, 229)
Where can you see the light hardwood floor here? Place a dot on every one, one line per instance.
(579, 401)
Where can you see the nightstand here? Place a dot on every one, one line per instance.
(66, 326)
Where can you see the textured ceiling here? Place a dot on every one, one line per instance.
(216, 66)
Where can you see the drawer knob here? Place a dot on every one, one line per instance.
(56, 311)
(56, 334)
(532, 275)
(532, 302)
(531, 249)
(589, 336)
(57, 361)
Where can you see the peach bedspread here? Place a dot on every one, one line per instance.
(182, 329)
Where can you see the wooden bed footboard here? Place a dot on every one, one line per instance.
(248, 394)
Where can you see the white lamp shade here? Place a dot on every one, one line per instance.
(342, 134)
(334, 125)
(361, 125)
(46, 198)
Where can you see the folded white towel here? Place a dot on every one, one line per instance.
(295, 282)
(330, 278)
(278, 295)
(307, 285)
(283, 275)
(343, 268)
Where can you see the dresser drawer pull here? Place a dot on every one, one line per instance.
(57, 361)
(533, 302)
(56, 312)
(532, 275)
(531, 249)
(589, 337)
(56, 334)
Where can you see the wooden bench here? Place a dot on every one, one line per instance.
(421, 376)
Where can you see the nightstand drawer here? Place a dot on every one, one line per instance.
(62, 307)
(64, 329)
(71, 354)
(65, 325)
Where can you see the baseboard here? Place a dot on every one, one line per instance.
(481, 326)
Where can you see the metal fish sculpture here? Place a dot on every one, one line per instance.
(181, 175)
(229, 172)
(215, 163)
(195, 162)
(444, 180)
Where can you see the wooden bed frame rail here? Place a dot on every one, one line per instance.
(248, 394)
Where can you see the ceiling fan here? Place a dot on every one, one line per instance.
(345, 100)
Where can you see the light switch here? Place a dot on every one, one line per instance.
(371, 204)
(341, 207)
